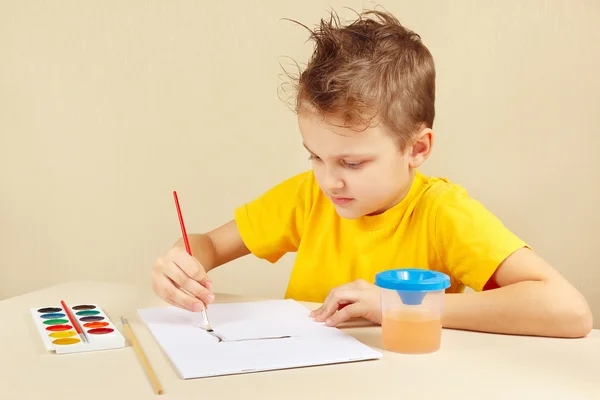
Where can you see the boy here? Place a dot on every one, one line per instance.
(365, 107)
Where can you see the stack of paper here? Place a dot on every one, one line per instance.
(249, 329)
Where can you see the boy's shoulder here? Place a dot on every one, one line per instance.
(298, 184)
(303, 184)
(448, 201)
(440, 190)
(454, 209)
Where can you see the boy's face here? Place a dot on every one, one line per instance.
(362, 172)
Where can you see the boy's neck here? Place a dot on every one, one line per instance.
(401, 196)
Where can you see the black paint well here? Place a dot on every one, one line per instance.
(84, 307)
(92, 318)
(49, 310)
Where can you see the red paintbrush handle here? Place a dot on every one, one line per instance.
(71, 318)
(182, 224)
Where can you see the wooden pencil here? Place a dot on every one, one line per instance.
(141, 355)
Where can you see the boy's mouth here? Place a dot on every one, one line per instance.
(341, 200)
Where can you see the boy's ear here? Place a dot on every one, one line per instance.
(420, 148)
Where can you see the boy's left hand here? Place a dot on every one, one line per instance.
(355, 299)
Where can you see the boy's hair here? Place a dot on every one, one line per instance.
(371, 69)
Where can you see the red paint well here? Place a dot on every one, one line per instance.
(57, 328)
(100, 331)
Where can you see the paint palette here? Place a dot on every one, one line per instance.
(60, 336)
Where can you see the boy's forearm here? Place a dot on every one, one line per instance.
(202, 249)
(217, 247)
(524, 308)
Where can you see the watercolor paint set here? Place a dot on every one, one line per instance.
(76, 329)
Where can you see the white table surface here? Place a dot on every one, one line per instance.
(469, 365)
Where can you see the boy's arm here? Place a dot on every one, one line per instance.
(516, 291)
(527, 297)
(217, 247)
(181, 280)
(269, 226)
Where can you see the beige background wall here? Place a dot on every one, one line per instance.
(106, 107)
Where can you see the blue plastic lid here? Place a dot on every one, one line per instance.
(412, 280)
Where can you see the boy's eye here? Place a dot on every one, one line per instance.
(352, 164)
(347, 164)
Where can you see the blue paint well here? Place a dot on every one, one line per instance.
(52, 315)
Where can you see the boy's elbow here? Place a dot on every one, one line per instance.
(576, 316)
(583, 323)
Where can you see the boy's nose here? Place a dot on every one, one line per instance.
(333, 182)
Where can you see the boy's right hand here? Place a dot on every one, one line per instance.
(177, 270)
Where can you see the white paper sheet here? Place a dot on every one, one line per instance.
(195, 353)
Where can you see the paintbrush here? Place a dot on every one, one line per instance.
(75, 323)
(207, 327)
(205, 321)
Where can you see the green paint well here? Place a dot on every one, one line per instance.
(56, 321)
(88, 312)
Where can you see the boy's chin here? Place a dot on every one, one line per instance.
(355, 212)
(348, 213)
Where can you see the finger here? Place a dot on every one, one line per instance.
(169, 292)
(191, 267)
(339, 297)
(183, 281)
(327, 303)
(319, 310)
(315, 312)
(173, 303)
(207, 282)
(341, 304)
(351, 311)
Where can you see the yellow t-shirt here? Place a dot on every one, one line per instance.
(436, 226)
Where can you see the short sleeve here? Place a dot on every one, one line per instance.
(471, 241)
(272, 224)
